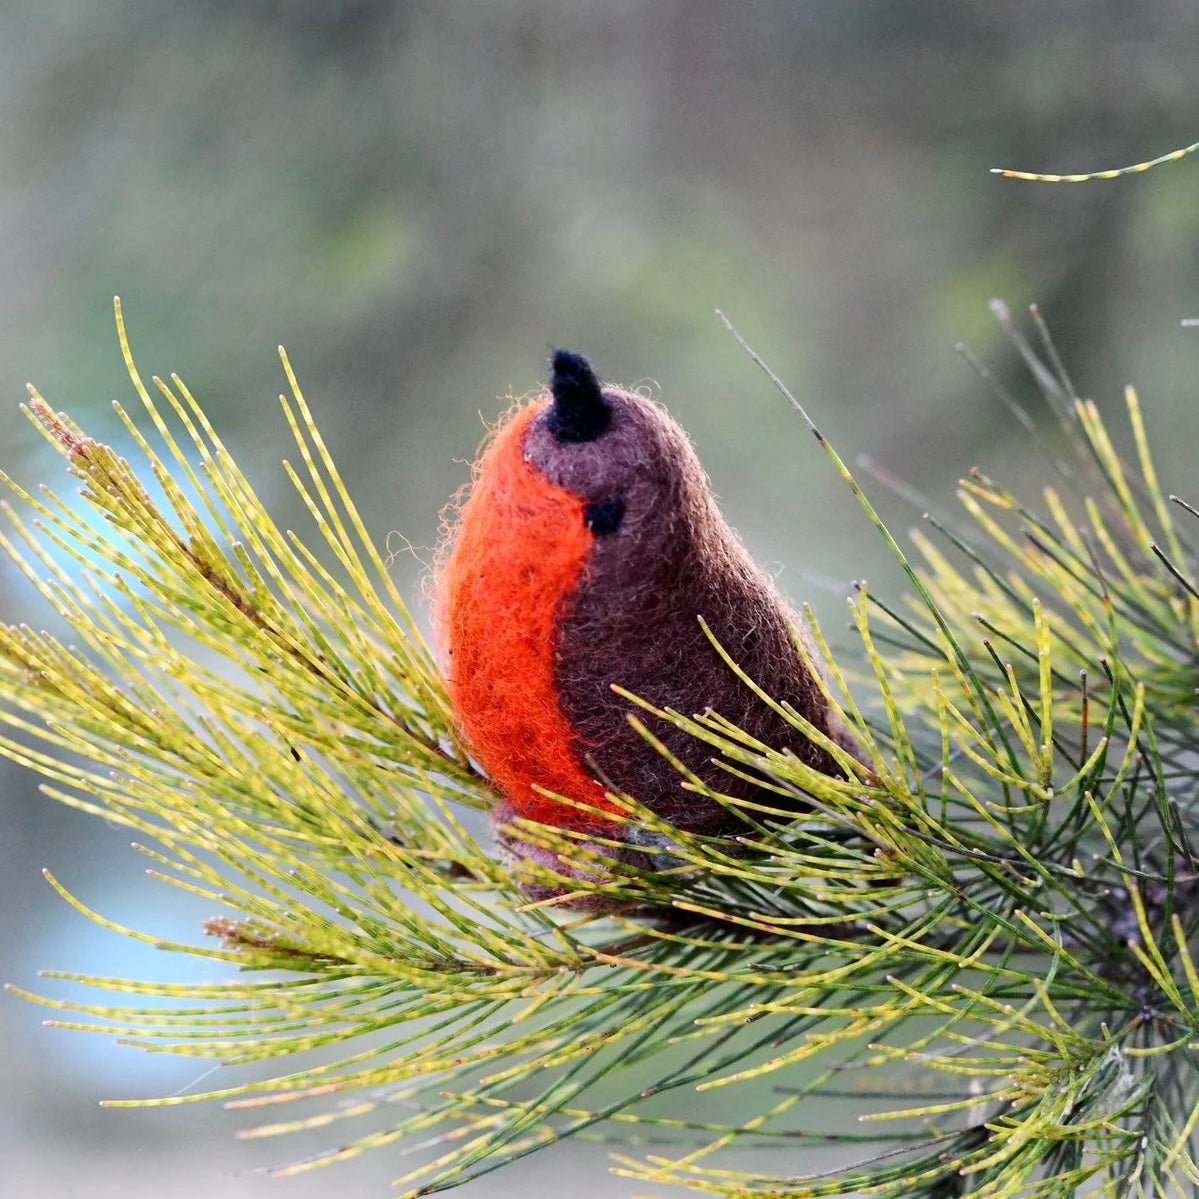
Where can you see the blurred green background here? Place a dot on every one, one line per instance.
(418, 199)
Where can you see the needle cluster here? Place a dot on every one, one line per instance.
(967, 966)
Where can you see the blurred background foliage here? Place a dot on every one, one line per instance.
(419, 198)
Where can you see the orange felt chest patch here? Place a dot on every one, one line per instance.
(517, 556)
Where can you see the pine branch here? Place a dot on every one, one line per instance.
(978, 939)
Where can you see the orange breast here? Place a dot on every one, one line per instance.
(516, 558)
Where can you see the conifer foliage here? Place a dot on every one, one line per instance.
(968, 966)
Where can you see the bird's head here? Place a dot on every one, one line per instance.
(622, 455)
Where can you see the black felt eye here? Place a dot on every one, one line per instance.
(604, 516)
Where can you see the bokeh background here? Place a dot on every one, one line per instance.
(419, 198)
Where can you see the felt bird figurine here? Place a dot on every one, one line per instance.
(585, 551)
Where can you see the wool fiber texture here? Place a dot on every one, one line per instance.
(518, 550)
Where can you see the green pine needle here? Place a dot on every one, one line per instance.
(1112, 173)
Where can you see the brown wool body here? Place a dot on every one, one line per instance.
(653, 555)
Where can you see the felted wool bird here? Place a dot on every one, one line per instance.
(586, 549)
